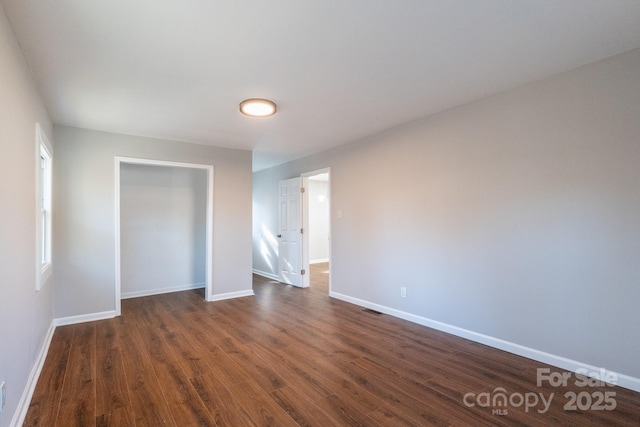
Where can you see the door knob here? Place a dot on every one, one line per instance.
(279, 236)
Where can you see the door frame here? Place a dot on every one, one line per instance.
(118, 161)
(305, 221)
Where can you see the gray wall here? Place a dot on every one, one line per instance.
(515, 216)
(84, 224)
(25, 315)
(318, 221)
(162, 228)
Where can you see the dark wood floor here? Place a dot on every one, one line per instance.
(288, 357)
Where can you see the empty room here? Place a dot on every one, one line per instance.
(296, 213)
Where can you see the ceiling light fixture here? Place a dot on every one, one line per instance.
(256, 107)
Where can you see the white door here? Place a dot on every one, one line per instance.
(290, 233)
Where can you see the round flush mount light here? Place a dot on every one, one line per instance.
(256, 107)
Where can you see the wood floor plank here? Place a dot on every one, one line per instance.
(118, 417)
(217, 360)
(256, 368)
(186, 407)
(286, 357)
(148, 404)
(293, 375)
(221, 403)
(324, 371)
(260, 405)
(45, 402)
(78, 403)
(347, 414)
(111, 386)
(302, 408)
(188, 356)
(402, 407)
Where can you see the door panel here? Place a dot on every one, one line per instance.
(290, 236)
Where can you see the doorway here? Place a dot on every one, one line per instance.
(317, 223)
(163, 227)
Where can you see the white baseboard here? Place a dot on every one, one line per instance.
(267, 275)
(623, 380)
(230, 295)
(318, 261)
(27, 394)
(146, 293)
(72, 320)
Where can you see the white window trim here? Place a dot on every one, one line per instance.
(44, 268)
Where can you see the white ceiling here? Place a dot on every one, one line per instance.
(338, 69)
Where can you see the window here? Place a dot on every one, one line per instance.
(43, 190)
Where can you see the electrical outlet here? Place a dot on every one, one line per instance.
(403, 292)
(3, 394)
